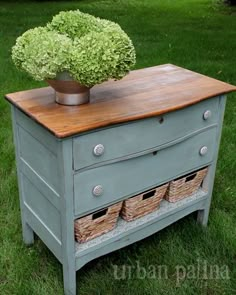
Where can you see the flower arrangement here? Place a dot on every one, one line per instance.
(90, 49)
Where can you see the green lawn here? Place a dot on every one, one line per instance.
(196, 34)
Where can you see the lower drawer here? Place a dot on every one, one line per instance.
(95, 188)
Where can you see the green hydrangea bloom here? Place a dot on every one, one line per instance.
(100, 56)
(74, 24)
(42, 53)
(90, 49)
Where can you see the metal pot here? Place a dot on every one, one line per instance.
(68, 91)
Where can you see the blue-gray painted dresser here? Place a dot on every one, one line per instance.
(151, 127)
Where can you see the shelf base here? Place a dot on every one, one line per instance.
(127, 233)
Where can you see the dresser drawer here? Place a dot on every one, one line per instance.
(135, 137)
(95, 188)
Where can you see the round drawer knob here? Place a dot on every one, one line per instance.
(203, 150)
(99, 150)
(207, 115)
(97, 190)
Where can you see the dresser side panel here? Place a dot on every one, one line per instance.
(35, 154)
(37, 168)
(32, 127)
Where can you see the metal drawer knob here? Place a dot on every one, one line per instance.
(207, 115)
(97, 190)
(99, 150)
(203, 150)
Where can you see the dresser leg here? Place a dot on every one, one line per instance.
(69, 277)
(202, 217)
(28, 234)
(65, 153)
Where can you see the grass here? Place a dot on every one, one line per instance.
(196, 34)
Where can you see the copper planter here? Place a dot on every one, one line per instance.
(68, 91)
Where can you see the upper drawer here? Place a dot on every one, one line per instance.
(141, 135)
(97, 187)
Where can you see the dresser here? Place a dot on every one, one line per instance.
(153, 126)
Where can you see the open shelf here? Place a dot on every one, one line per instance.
(124, 228)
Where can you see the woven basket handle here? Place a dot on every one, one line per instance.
(190, 177)
(149, 194)
(99, 213)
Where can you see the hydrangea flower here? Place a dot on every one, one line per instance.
(90, 49)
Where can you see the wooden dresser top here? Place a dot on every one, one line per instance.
(141, 94)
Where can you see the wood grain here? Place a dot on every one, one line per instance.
(141, 94)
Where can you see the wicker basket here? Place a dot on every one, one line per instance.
(143, 204)
(185, 186)
(97, 223)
